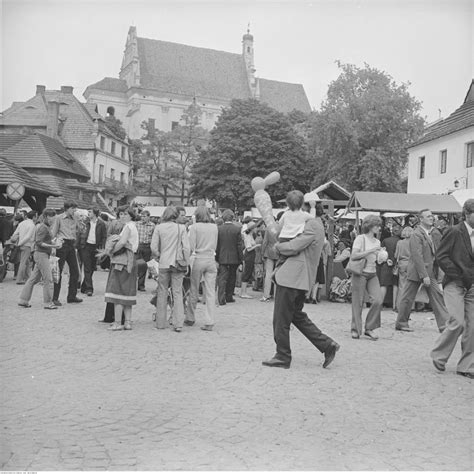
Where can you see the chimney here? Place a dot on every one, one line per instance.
(40, 89)
(67, 89)
(53, 119)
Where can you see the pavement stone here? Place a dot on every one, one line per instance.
(78, 397)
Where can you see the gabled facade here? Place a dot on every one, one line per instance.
(50, 163)
(81, 130)
(442, 160)
(158, 80)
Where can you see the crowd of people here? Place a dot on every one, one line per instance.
(208, 257)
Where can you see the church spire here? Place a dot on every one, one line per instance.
(247, 53)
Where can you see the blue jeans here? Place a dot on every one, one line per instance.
(170, 277)
(42, 270)
(360, 283)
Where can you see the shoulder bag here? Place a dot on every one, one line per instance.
(182, 262)
(356, 267)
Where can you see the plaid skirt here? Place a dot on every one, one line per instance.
(122, 286)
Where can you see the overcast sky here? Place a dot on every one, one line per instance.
(426, 42)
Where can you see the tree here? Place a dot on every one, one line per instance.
(361, 134)
(250, 139)
(154, 162)
(185, 142)
(115, 126)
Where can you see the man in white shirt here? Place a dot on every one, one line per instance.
(25, 232)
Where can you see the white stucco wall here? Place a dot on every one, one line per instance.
(434, 181)
(164, 110)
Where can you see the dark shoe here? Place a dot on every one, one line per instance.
(274, 362)
(330, 353)
(404, 329)
(469, 375)
(20, 282)
(89, 293)
(24, 305)
(177, 329)
(371, 335)
(104, 321)
(355, 335)
(74, 300)
(207, 327)
(439, 366)
(57, 303)
(230, 301)
(141, 289)
(222, 304)
(188, 323)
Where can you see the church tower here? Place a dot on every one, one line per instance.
(130, 70)
(247, 53)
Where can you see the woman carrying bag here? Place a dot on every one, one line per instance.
(362, 266)
(170, 247)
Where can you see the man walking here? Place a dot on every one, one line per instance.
(96, 235)
(229, 255)
(26, 239)
(145, 231)
(422, 268)
(455, 256)
(65, 229)
(294, 278)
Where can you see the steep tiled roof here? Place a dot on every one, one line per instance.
(79, 129)
(12, 173)
(7, 140)
(181, 69)
(283, 96)
(460, 119)
(41, 152)
(110, 84)
(70, 194)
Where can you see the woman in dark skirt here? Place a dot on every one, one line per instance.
(121, 289)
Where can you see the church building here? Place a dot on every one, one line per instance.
(158, 80)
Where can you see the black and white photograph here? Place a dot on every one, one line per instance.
(236, 235)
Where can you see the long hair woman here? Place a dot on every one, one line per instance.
(169, 244)
(203, 244)
(121, 289)
(366, 246)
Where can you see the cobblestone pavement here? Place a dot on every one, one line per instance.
(78, 397)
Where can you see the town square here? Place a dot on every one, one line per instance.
(237, 236)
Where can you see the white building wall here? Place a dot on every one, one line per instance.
(109, 161)
(434, 181)
(138, 108)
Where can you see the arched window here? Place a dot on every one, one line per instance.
(110, 111)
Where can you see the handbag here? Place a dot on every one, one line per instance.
(356, 267)
(182, 262)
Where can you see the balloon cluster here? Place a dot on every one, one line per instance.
(262, 199)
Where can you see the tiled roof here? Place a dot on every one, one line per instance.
(42, 152)
(79, 130)
(110, 84)
(460, 119)
(181, 69)
(7, 140)
(12, 173)
(283, 96)
(70, 194)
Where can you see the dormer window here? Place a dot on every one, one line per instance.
(110, 111)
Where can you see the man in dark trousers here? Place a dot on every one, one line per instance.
(455, 256)
(65, 228)
(95, 237)
(294, 278)
(422, 268)
(229, 255)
